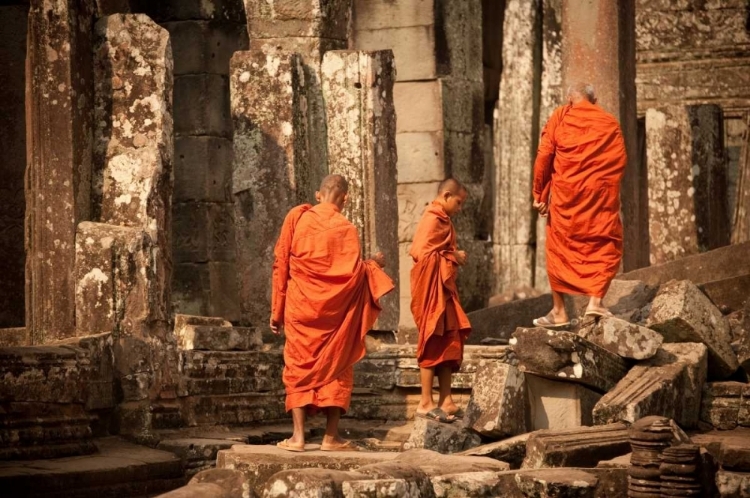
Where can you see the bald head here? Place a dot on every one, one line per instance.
(333, 189)
(451, 185)
(581, 91)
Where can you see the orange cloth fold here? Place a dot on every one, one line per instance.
(327, 297)
(443, 326)
(579, 166)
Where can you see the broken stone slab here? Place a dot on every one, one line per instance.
(669, 384)
(469, 484)
(440, 437)
(625, 339)
(361, 125)
(733, 484)
(435, 464)
(498, 401)
(502, 320)
(682, 313)
(379, 488)
(722, 402)
(559, 405)
(301, 483)
(566, 356)
(624, 298)
(259, 463)
(206, 337)
(723, 293)
(511, 450)
(735, 456)
(415, 478)
(557, 483)
(579, 447)
(283, 19)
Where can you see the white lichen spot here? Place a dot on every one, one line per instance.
(245, 77)
(578, 370)
(286, 128)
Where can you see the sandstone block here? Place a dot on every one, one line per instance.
(669, 385)
(300, 483)
(219, 338)
(421, 157)
(210, 373)
(559, 405)
(579, 447)
(309, 18)
(721, 403)
(202, 105)
(413, 48)
(224, 287)
(733, 484)
(723, 293)
(413, 198)
(498, 401)
(414, 478)
(686, 207)
(233, 409)
(439, 437)
(202, 169)
(682, 313)
(361, 123)
(511, 450)
(418, 106)
(197, 453)
(502, 320)
(379, 488)
(473, 484)
(380, 15)
(625, 339)
(735, 456)
(434, 464)
(557, 483)
(566, 356)
(178, 10)
(205, 46)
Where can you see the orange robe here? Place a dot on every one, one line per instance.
(443, 325)
(578, 170)
(327, 298)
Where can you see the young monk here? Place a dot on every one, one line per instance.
(442, 323)
(326, 298)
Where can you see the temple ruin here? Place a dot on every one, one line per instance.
(151, 149)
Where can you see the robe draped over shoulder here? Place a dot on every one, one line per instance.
(578, 169)
(443, 326)
(327, 298)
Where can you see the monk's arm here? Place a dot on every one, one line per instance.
(280, 276)
(544, 159)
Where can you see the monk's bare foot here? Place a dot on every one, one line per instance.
(597, 311)
(424, 409)
(337, 443)
(449, 407)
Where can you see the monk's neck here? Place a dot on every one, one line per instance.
(329, 206)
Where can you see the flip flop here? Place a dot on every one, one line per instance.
(598, 313)
(546, 322)
(285, 445)
(345, 446)
(437, 415)
(458, 415)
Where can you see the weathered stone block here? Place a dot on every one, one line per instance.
(511, 450)
(559, 405)
(566, 356)
(439, 437)
(413, 48)
(379, 488)
(418, 106)
(202, 169)
(413, 198)
(735, 456)
(625, 299)
(205, 46)
(420, 157)
(733, 484)
(307, 18)
(557, 483)
(202, 105)
(218, 338)
(682, 313)
(383, 14)
(498, 401)
(179, 10)
(687, 207)
(721, 403)
(669, 384)
(625, 339)
(580, 447)
(224, 287)
(502, 320)
(469, 484)
(233, 409)
(435, 464)
(361, 123)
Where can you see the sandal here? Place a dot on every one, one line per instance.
(548, 323)
(286, 445)
(458, 414)
(345, 446)
(437, 415)
(598, 313)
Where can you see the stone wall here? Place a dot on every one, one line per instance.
(13, 19)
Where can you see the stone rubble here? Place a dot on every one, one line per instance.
(498, 401)
(625, 339)
(440, 437)
(579, 447)
(557, 483)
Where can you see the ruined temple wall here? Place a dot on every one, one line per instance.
(439, 99)
(204, 35)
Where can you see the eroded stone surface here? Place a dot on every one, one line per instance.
(498, 401)
(435, 464)
(682, 313)
(580, 447)
(559, 404)
(511, 450)
(441, 437)
(725, 405)
(669, 385)
(361, 122)
(625, 339)
(566, 356)
(557, 483)
(309, 18)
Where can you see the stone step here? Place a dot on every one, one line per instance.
(230, 372)
(668, 384)
(119, 468)
(233, 409)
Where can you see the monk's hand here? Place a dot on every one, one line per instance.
(542, 207)
(275, 327)
(379, 258)
(460, 257)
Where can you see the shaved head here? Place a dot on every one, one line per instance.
(581, 91)
(334, 185)
(451, 185)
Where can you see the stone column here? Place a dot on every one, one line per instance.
(686, 181)
(598, 46)
(516, 138)
(358, 92)
(271, 164)
(551, 98)
(741, 218)
(59, 104)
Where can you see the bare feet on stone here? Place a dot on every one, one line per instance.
(597, 311)
(337, 443)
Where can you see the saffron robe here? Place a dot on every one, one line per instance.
(443, 326)
(327, 298)
(578, 169)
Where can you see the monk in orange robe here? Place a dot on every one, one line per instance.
(442, 323)
(577, 174)
(326, 298)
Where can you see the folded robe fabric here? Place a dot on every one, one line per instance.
(327, 298)
(578, 169)
(443, 326)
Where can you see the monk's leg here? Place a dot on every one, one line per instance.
(298, 420)
(559, 315)
(426, 378)
(333, 415)
(595, 303)
(445, 376)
